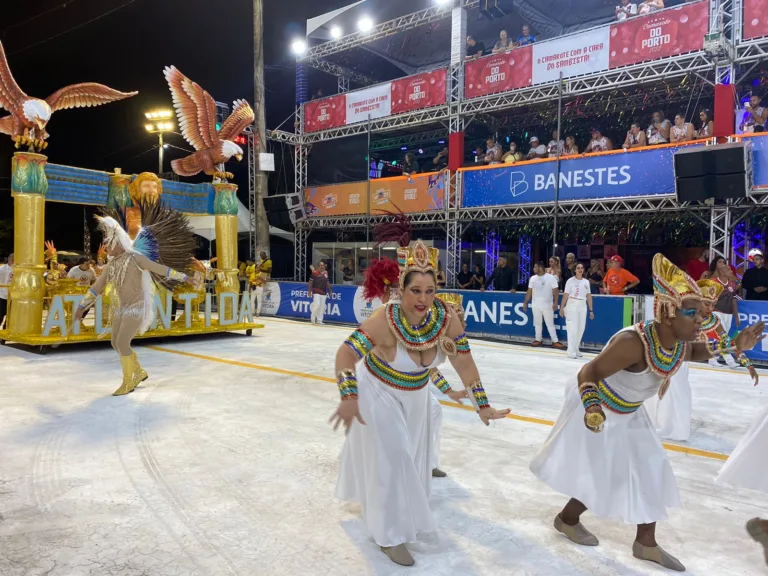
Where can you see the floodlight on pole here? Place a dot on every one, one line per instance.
(336, 32)
(298, 47)
(365, 24)
(159, 122)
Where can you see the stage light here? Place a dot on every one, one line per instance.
(421, 151)
(442, 2)
(403, 148)
(441, 141)
(365, 24)
(336, 32)
(149, 127)
(480, 251)
(298, 47)
(165, 145)
(389, 248)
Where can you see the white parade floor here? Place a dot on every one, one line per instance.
(223, 463)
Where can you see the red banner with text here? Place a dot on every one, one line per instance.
(755, 19)
(498, 73)
(326, 113)
(419, 91)
(659, 35)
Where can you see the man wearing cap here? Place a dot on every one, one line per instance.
(538, 150)
(755, 280)
(599, 143)
(618, 280)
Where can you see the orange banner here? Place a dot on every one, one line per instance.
(420, 193)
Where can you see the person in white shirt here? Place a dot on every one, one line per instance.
(626, 10)
(576, 296)
(555, 144)
(538, 150)
(6, 275)
(543, 288)
(82, 273)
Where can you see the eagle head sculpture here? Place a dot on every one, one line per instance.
(29, 117)
(196, 112)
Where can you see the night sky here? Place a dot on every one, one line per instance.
(51, 43)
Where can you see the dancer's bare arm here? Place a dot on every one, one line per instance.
(100, 284)
(746, 340)
(467, 370)
(147, 264)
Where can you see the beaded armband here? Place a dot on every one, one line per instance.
(439, 380)
(347, 382)
(88, 299)
(174, 275)
(478, 396)
(462, 344)
(744, 361)
(359, 342)
(721, 347)
(589, 394)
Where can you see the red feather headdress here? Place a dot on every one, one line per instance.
(384, 273)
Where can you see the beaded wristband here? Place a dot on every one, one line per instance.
(478, 396)
(347, 382)
(439, 380)
(462, 344)
(589, 394)
(744, 361)
(360, 342)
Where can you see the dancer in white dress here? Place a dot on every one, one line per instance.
(617, 467)
(672, 415)
(385, 462)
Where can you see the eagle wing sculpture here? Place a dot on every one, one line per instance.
(30, 116)
(196, 112)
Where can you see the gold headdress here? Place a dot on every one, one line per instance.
(710, 290)
(417, 258)
(670, 285)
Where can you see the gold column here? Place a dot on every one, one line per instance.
(28, 188)
(225, 208)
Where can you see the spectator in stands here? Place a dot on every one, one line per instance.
(696, 268)
(707, 129)
(658, 131)
(682, 131)
(526, 37)
(555, 269)
(503, 44)
(554, 145)
(618, 280)
(754, 116)
(570, 267)
(599, 143)
(538, 150)
(626, 10)
(513, 155)
(441, 160)
(82, 273)
(464, 278)
(318, 94)
(755, 280)
(493, 152)
(411, 165)
(478, 278)
(595, 276)
(648, 6)
(475, 49)
(726, 307)
(440, 276)
(635, 137)
(570, 146)
(502, 278)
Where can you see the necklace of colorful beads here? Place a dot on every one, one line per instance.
(661, 361)
(424, 336)
(709, 323)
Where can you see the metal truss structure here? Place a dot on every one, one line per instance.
(416, 118)
(453, 231)
(524, 265)
(492, 242)
(300, 266)
(741, 244)
(408, 140)
(720, 232)
(342, 72)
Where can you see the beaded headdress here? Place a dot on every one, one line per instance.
(671, 286)
(710, 290)
(417, 258)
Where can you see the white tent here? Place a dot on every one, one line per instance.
(205, 226)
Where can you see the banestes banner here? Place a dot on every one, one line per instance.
(642, 173)
(658, 35)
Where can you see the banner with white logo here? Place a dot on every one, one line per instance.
(572, 55)
(374, 102)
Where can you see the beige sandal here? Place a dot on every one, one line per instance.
(399, 555)
(755, 530)
(658, 555)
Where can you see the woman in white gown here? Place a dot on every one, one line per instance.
(617, 467)
(383, 373)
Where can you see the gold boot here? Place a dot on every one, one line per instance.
(140, 372)
(129, 376)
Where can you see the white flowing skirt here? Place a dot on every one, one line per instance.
(436, 413)
(746, 466)
(620, 473)
(672, 414)
(386, 464)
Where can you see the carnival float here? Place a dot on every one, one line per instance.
(42, 299)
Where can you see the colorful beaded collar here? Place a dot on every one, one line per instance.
(430, 333)
(662, 362)
(710, 322)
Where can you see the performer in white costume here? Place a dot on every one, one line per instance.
(383, 372)
(672, 415)
(617, 467)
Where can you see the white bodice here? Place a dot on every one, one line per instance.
(634, 386)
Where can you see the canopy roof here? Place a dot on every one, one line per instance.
(205, 225)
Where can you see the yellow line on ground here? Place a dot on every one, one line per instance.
(529, 419)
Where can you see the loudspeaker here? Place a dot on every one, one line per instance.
(725, 186)
(491, 9)
(696, 189)
(277, 212)
(691, 162)
(724, 172)
(729, 158)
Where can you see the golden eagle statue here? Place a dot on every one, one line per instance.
(29, 116)
(196, 112)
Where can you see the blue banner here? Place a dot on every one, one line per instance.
(760, 157)
(642, 173)
(493, 314)
(751, 312)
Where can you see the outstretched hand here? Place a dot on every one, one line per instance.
(488, 414)
(347, 411)
(750, 336)
(754, 375)
(458, 395)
